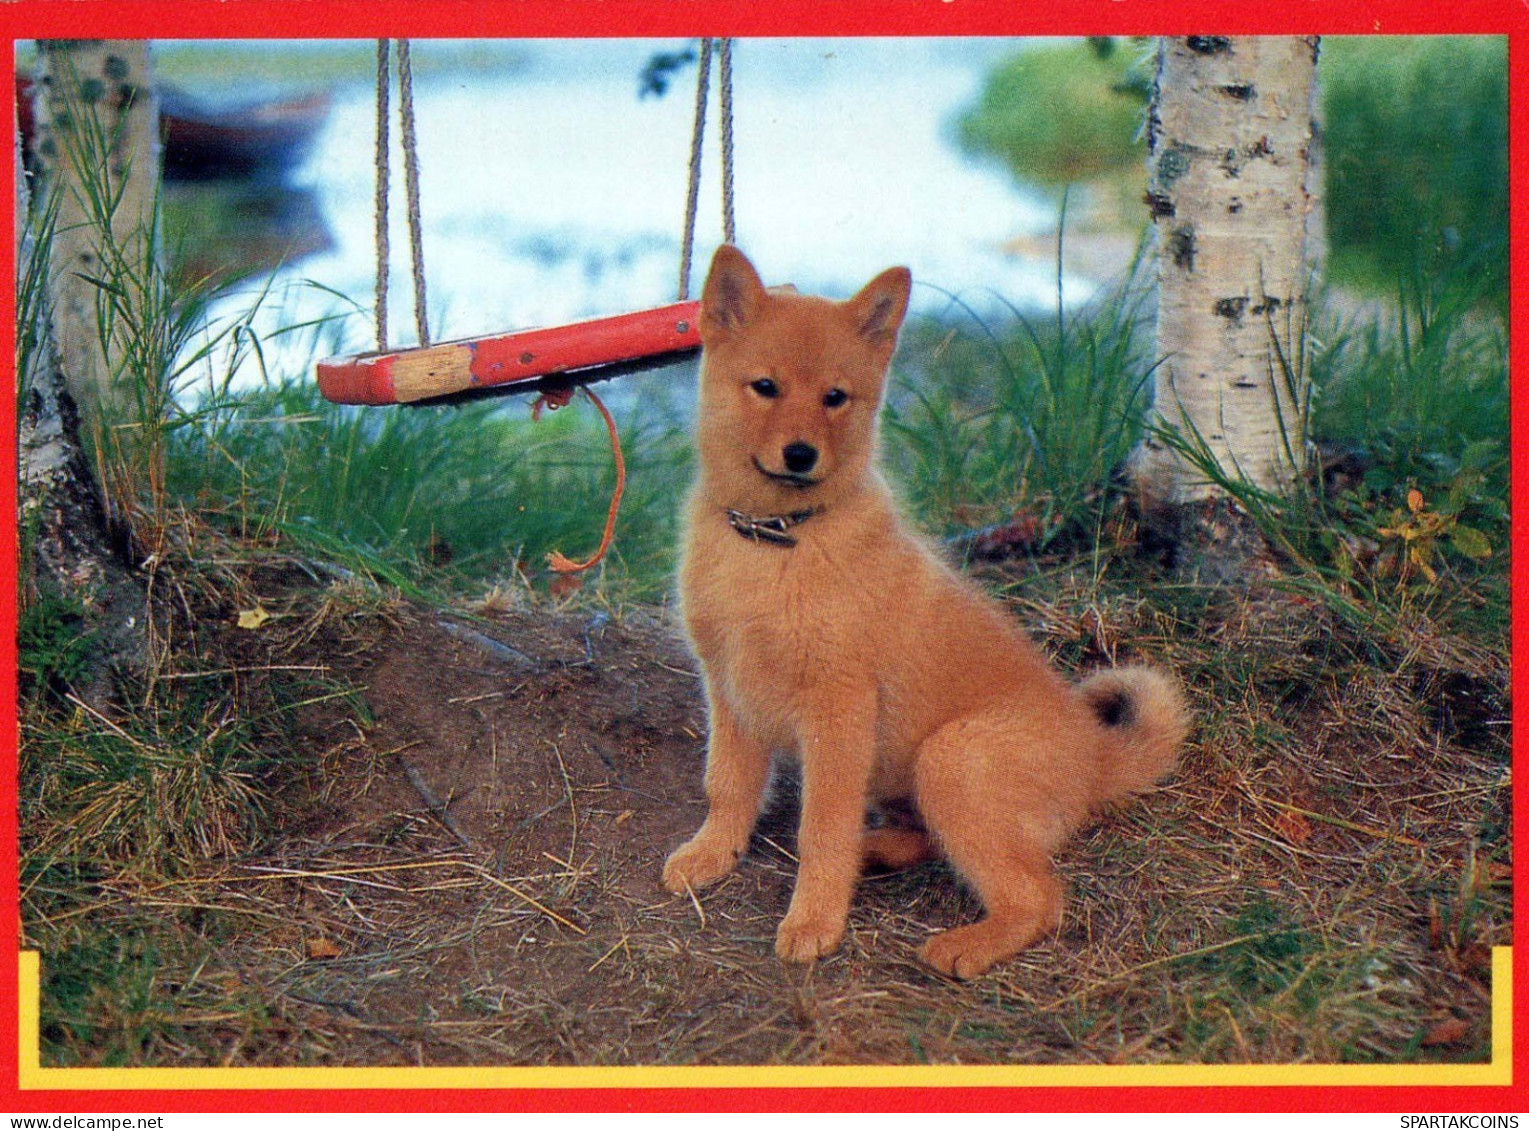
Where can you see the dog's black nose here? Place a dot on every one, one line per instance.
(799, 458)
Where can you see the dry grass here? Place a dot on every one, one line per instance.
(460, 854)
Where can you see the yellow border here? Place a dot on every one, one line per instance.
(1499, 1072)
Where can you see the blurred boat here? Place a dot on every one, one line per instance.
(262, 139)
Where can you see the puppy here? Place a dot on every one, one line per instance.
(827, 631)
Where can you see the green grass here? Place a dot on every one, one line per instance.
(175, 783)
(1423, 390)
(415, 495)
(1029, 417)
(989, 421)
(1270, 978)
(152, 331)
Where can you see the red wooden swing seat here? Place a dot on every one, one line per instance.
(513, 362)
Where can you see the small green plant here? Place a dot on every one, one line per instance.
(1416, 535)
(53, 644)
(153, 331)
(1268, 950)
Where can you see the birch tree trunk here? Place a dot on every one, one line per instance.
(69, 550)
(96, 149)
(1230, 140)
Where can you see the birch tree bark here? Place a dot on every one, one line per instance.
(96, 150)
(69, 551)
(1230, 140)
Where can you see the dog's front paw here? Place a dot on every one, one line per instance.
(698, 862)
(806, 937)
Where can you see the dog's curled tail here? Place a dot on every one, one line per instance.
(1144, 719)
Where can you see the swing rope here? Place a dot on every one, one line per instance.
(551, 399)
(693, 186)
(411, 186)
(723, 48)
(386, 49)
(725, 77)
(380, 197)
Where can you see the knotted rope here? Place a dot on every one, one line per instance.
(555, 400)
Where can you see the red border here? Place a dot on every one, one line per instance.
(308, 19)
(189, 19)
(10, 887)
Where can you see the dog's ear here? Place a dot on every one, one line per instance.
(732, 293)
(878, 310)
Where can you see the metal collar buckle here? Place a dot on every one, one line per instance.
(769, 528)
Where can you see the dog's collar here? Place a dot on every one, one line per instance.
(771, 528)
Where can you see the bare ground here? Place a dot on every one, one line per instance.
(463, 868)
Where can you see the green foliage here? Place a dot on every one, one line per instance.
(1415, 142)
(1422, 396)
(1416, 401)
(33, 309)
(1419, 388)
(154, 332)
(97, 993)
(1058, 114)
(1416, 534)
(53, 643)
(1026, 419)
(1267, 952)
(1274, 977)
(129, 988)
(1417, 155)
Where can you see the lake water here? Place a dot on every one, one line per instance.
(551, 191)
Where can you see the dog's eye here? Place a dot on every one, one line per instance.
(766, 388)
(835, 397)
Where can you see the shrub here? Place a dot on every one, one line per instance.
(1416, 133)
(1417, 144)
(1057, 114)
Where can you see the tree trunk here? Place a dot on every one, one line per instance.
(69, 554)
(1230, 140)
(96, 152)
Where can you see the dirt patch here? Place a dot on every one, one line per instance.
(489, 892)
